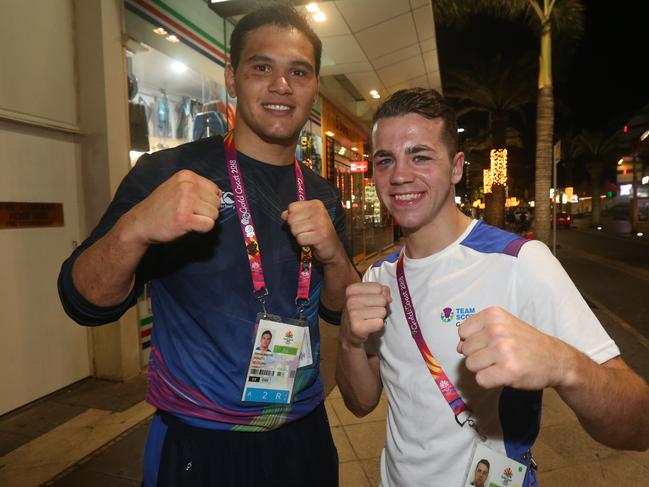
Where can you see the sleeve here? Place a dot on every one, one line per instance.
(137, 185)
(549, 300)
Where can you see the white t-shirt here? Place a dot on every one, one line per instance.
(484, 267)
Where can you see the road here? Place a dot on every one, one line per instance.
(612, 272)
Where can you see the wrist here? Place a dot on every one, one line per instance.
(126, 232)
(568, 367)
(350, 342)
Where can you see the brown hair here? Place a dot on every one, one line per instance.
(427, 103)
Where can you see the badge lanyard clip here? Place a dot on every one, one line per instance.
(260, 295)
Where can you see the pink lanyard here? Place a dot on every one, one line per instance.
(445, 385)
(250, 237)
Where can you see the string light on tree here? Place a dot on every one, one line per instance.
(499, 166)
(486, 180)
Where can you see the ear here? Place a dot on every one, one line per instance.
(229, 81)
(457, 167)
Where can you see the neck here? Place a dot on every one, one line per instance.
(275, 152)
(436, 236)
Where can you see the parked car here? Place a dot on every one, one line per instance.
(564, 220)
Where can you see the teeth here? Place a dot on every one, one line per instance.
(277, 107)
(407, 196)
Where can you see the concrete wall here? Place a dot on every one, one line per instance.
(40, 349)
(63, 139)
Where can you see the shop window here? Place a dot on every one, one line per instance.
(171, 104)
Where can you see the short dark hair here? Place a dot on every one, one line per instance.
(267, 332)
(426, 102)
(484, 462)
(279, 14)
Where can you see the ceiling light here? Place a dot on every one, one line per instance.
(160, 31)
(354, 149)
(374, 92)
(640, 234)
(644, 135)
(172, 38)
(619, 163)
(312, 7)
(178, 67)
(319, 17)
(329, 133)
(460, 130)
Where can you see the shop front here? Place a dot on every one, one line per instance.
(369, 226)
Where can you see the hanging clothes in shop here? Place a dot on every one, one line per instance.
(207, 124)
(163, 124)
(139, 127)
(184, 112)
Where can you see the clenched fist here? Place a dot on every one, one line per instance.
(184, 203)
(505, 351)
(311, 226)
(365, 311)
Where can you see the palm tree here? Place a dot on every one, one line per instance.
(500, 90)
(596, 149)
(545, 17)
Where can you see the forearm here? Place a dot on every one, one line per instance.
(104, 273)
(338, 274)
(358, 378)
(611, 401)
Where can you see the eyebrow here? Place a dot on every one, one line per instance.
(415, 149)
(382, 153)
(256, 58)
(419, 148)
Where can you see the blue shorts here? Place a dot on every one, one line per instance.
(297, 454)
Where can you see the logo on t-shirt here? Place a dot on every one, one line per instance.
(227, 200)
(458, 314)
(447, 315)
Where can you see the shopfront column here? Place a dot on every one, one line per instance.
(103, 120)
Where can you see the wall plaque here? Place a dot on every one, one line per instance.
(30, 215)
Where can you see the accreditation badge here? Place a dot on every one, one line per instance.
(274, 361)
(490, 468)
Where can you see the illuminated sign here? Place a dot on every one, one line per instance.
(358, 166)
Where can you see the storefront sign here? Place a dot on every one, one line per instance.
(358, 166)
(30, 215)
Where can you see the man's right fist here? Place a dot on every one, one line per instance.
(186, 202)
(365, 311)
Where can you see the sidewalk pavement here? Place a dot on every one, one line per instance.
(93, 434)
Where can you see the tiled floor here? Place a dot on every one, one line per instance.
(92, 434)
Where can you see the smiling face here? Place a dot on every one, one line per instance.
(414, 173)
(276, 85)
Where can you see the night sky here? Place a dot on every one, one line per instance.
(600, 80)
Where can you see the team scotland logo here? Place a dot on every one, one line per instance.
(447, 315)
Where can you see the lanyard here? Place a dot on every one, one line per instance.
(454, 400)
(250, 237)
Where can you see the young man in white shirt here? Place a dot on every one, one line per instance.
(495, 319)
